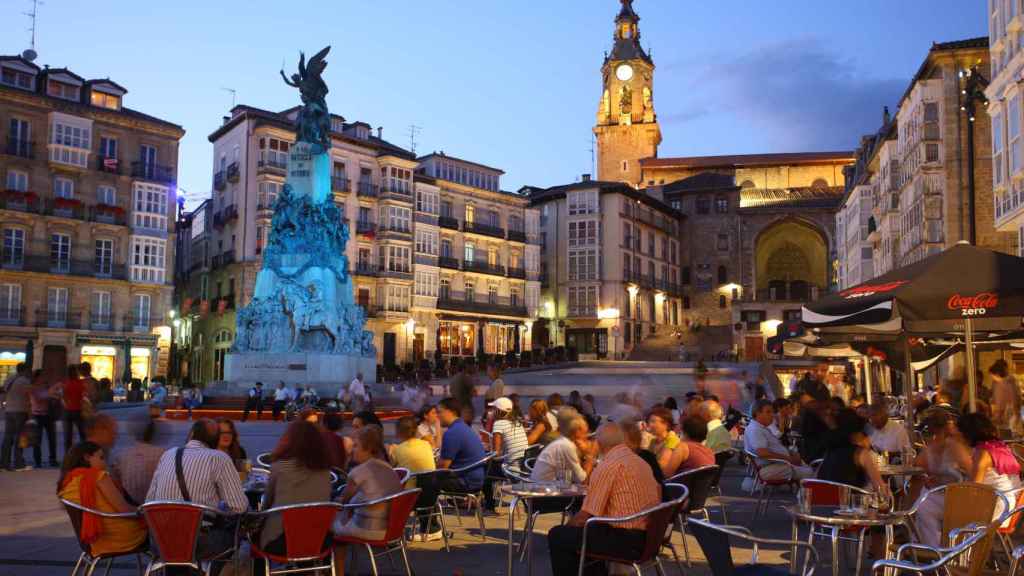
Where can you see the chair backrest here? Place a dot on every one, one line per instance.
(966, 503)
(699, 482)
(828, 493)
(481, 462)
(715, 545)
(403, 474)
(263, 459)
(305, 529)
(1016, 501)
(75, 514)
(174, 527)
(401, 506)
(658, 520)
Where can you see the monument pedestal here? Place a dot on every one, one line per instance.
(325, 372)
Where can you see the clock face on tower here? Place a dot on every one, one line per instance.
(624, 72)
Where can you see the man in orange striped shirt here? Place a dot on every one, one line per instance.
(621, 485)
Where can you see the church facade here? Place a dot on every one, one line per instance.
(757, 233)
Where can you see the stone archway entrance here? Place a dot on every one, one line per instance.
(791, 261)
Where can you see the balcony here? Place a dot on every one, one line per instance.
(66, 208)
(782, 292)
(272, 166)
(21, 201)
(364, 269)
(153, 172)
(517, 236)
(12, 316)
(500, 306)
(396, 192)
(366, 228)
(108, 165)
(234, 173)
(220, 180)
(48, 265)
(483, 229)
(108, 214)
(399, 272)
(395, 231)
(483, 267)
(448, 222)
(517, 273)
(228, 257)
(20, 147)
(366, 189)
(225, 215)
(341, 184)
(448, 262)
(137, 323)
(583, 311)
(59, 318)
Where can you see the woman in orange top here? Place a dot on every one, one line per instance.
(84, 480)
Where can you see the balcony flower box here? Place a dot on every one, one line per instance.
(110, 209)
(21, 196)
(67, 203)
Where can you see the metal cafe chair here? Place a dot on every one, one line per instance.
(400, 505)
(765, 487)
(307, 536)
(698, 482)
(263, 459)
(474, 498)
(827, 493)
(945, 558)
(532, 512)
(88, 560)
(175, 526)
(659, 520)
(714, 542)
(427, 505)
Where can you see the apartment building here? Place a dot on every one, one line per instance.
(87, 218)
(408, 218)
(1004, 93)
(610, 275)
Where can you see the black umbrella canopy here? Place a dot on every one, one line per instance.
(932, 296)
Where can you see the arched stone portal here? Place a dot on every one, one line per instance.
(791, 257)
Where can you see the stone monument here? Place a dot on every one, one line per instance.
(302, 325)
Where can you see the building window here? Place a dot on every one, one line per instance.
(627, 230)
(583, 300)
(70, 141)
(583, 232)
(17, 78)
(397, 298)
(106, 195)
(492, 293)
(63, 188)
(396, 179)
(104, 257)
(101, 310)
(998, 165)
(17, 180)
(722, 301)
(426, 241)
(583, 264)
(703, 205)
(426, 201)
(60, 253)
(10, 302)
(469, 291)
(426, 283)
(104, 100)
(150, 209)
(673, 252)
(267, 195)
(397, 259)
(273, 152)
(398, 218)
(514, 297)
(686, 276)
(1013, 131)
(148, 260)
(582, 202)
(14, 247)
(57, 305)
(723, 275)
(470, 252)
(62, 90)
(723, 242)
(721, 204)
(141, 311)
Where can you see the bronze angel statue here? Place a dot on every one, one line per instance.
(313, 122)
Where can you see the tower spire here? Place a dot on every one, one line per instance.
(627, 35)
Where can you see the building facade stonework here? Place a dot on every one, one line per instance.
(87, 218)
(1005, 97)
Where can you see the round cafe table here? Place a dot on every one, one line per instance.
(839, 519)
(900, 470)
(528, 492)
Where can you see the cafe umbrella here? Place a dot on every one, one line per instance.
(959, 292)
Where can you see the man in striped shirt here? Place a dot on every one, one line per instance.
(621, 485)
(210, 479)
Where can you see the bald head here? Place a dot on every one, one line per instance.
(609, 436)
(710, 410)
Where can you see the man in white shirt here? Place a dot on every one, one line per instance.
(886, 435)
(759, 440)
(719, 439)
(572, 451)
(357, 393)
(281, 397)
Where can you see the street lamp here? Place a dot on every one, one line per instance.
(972, 93)
(410, 324)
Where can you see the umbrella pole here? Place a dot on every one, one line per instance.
(909, 384)
(867, 379)
(972, 372)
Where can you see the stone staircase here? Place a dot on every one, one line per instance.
(664, 346)
(660, 347)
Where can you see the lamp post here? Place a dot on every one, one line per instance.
(972, 92)
(172, 368)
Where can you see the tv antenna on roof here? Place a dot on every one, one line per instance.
(413, 131)
(233, 94)
(31, 54)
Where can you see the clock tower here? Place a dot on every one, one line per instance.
(627, 128)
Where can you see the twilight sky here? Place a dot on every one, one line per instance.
(509, 84)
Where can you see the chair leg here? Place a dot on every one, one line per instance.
(92, 567)
(334, 571)
(373, 561)
(675, 555)
(860, 551)
(405, 560)
(78, 564)
(444, 531)
(658, 567)
(686, 547)
(110, 563)
(479, 503)
(138, 563)
(835, 551)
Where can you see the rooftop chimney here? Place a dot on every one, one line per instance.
(586, 177)
(380, 131)
(225, 119)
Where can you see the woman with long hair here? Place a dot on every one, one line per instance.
(543, 426)
(84, 481)
(227, 442)
(299, 474)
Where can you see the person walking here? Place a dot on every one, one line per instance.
(73, 393)
(18, 404)
(42, 407)
(91, 387)
(281, 397)
(255, 400)
(357, 394)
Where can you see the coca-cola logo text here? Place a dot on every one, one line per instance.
(977, 305)
(869, 289)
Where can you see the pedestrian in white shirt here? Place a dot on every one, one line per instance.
(886, 435)
(281, 397)
(357, 393)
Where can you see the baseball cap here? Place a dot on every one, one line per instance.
(503, 404)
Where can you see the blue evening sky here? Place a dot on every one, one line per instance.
(512, 84)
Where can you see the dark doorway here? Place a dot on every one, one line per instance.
(55, 362)
(417, 347)
(389, 348)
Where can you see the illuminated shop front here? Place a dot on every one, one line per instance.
(500, 338)
(9, 360)
(141, 363)
(465, 338)
(457, 338)
(102, 359)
